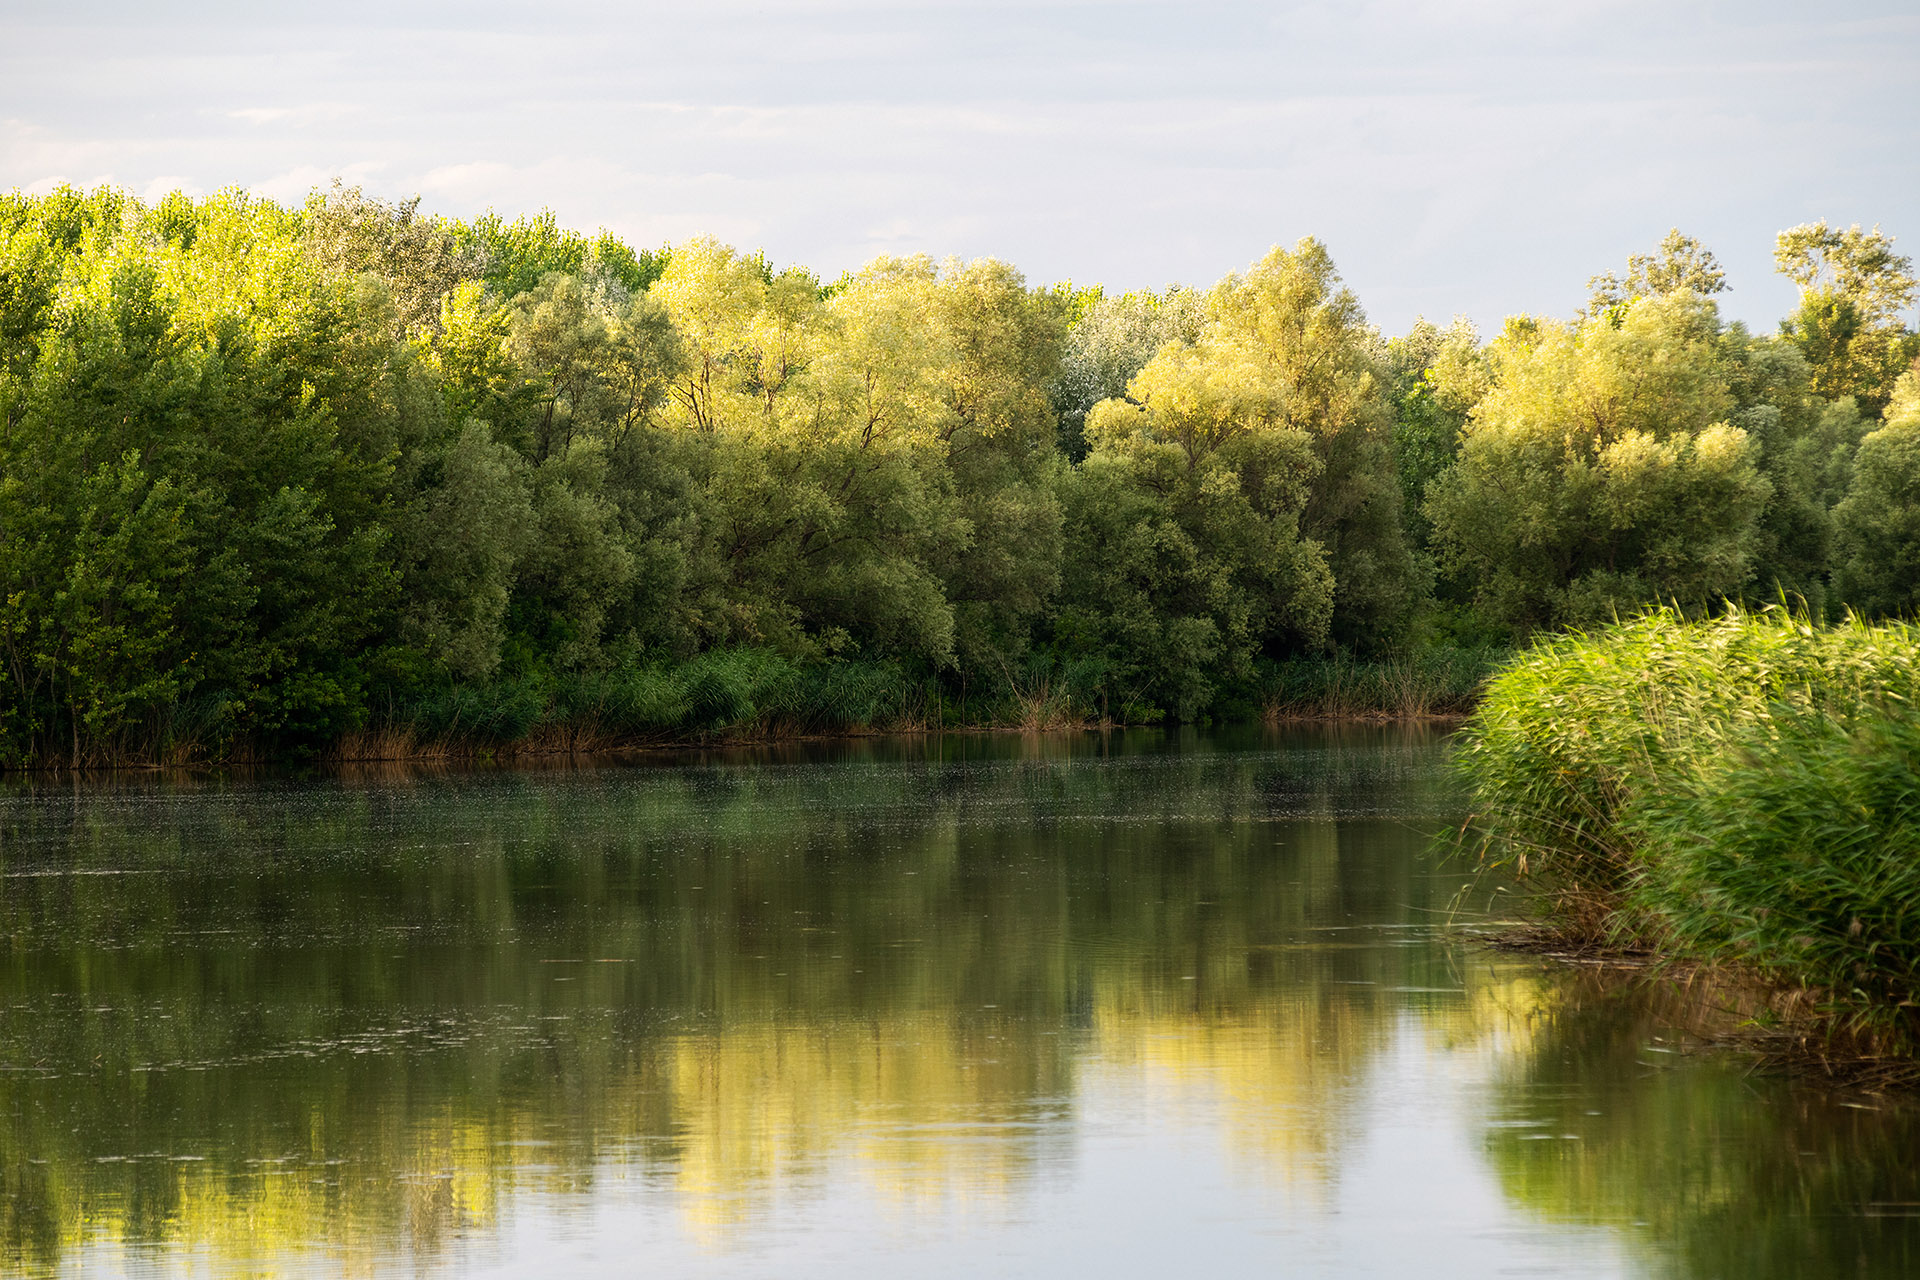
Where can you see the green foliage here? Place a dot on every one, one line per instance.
(1853, 287)
(268, 473)
(1601, 473)
(1741, 789)
(1878, 523)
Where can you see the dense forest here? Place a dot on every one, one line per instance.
(280, 480)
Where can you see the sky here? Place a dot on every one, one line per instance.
(1459, 157)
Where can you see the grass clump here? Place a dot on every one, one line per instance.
(1428, 680)
(1744, 790)
(1798, 852)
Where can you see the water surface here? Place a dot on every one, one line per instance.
(1132, 1005)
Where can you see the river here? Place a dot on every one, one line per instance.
(1138, 1004)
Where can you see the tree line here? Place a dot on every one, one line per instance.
(268, 469)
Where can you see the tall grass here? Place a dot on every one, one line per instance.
(1433, 680)
(1744, 790)
(1799, 852)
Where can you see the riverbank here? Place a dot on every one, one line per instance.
(1737, 798)
(744, 696)
(752, 698)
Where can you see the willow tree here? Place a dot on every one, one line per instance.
(1853, 288)
(999, 346)
(1109, 342)
(1600, 473)
(1186, 558)
(826, 488)
(419, 258)
(1298, 339)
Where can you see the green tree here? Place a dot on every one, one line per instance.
(1600, 473)
(1681, 263)
(1186, 558)
(1437, 376)
(1000, 345)
(827, 486)
(458, 541)
(1853, 287)
(595, 369)
(1878, 523)
(1293, 330)
(1806, 447)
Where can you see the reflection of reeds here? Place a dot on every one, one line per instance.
(1721, 1171)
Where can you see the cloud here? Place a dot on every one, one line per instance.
(1483, 158)
(293, 185)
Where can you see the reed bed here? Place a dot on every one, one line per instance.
(1743, 792)
(1435, 680)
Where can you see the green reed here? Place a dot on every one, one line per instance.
(1430, 680)
(1745, 789)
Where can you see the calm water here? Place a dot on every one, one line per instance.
(1140, 1006)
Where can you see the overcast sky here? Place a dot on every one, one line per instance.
(1459, 158)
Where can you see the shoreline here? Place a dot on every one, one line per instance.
(577, 744)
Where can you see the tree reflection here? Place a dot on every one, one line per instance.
(356, 1019)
